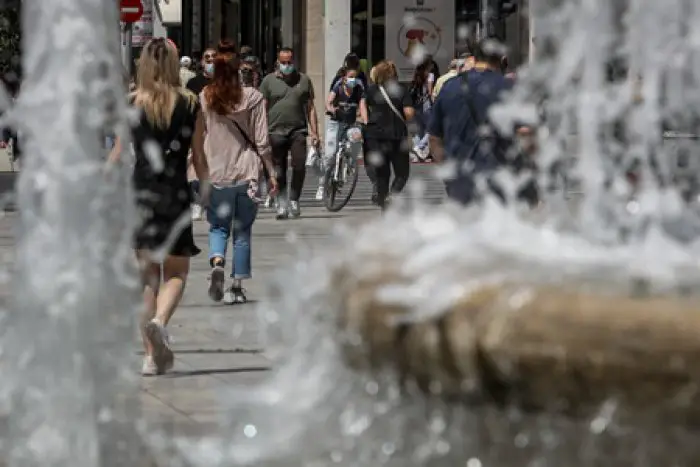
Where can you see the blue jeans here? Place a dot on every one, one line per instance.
(422, 138)
(231, 213)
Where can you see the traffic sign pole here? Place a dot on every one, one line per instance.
(127, 48)
(130, 11)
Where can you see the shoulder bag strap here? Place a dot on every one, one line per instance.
(247, 138)
(470, 102)
(391, 104)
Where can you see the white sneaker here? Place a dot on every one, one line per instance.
(319, 194)
(196, 212)
(268, 202)
(294, 209)
(157, 336)
(235, 295)
(421, 154)
(149, 367)
(282, 212)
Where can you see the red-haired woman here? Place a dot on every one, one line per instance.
(233, 123)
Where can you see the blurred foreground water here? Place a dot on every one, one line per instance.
(609, 78)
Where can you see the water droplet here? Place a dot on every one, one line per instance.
(250, 431)
(372, 388)
(153, 154)
(337, 457)
(442, 447)
(388, 448)
(223, 210)
(474, 462)
(375, 158)
(438, 424)
(522, 440)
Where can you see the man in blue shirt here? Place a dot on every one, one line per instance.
(460, 130)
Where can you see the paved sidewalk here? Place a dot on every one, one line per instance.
(218, 345)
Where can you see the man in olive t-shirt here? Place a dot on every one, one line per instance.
(291, 118)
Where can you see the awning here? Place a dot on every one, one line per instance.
(170, 11)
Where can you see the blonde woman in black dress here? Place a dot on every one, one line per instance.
(164, 241)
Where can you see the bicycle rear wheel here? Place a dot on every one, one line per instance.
(339, 188)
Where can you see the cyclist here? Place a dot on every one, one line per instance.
(345, 100)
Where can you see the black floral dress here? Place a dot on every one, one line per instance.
(160, 180)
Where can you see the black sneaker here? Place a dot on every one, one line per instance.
(216, 283)
(235, 295)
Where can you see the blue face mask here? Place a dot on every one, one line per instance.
(350, 82)
(209, 68)
(286, 68)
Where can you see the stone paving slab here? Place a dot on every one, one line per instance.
(217, 346)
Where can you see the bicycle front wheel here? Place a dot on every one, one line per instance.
(341, 183)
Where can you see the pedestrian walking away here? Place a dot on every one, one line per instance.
(233, 135)
(291, 119)
(460, 115)
(389, 107)
(345, 101)
(164, 241)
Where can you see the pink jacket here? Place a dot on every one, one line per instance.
(231, 160)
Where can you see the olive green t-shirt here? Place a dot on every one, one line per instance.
(287, 103)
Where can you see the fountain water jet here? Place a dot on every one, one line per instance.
(71, 393)
(68, 337)
(441, 260)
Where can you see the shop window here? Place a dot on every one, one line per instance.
(360, 39)
(368, 21)
(468, 24)
(378, 33)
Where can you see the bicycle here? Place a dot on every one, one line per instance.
(342, 171)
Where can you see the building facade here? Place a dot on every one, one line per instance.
(322, 32)
(264, 25)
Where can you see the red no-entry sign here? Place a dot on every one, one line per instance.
(130, 11)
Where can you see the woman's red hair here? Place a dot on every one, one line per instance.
(224, 92)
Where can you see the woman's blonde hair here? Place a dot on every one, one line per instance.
(158, 82)
(385, 71)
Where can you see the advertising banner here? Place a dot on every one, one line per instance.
(417, 28)
(143, 28)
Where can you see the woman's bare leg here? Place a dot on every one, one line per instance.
(150, 276)
(175, 271)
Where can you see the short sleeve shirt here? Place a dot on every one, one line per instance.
(287, 103)
(383, 123)
(453, 121)
(347, 103)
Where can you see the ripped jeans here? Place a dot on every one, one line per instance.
(334, 134)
